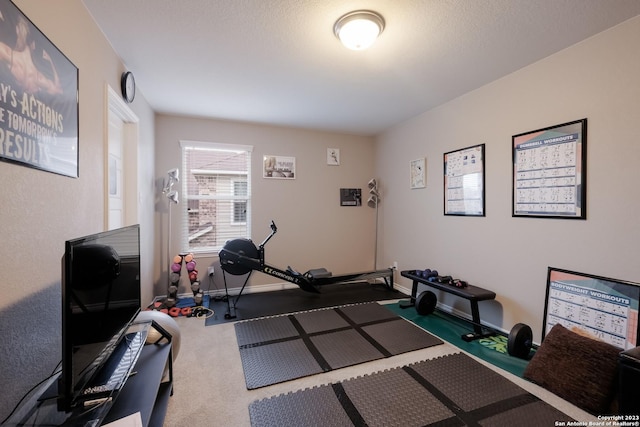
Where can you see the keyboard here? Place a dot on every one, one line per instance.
(115, 372)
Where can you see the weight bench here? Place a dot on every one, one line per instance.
(471, 293)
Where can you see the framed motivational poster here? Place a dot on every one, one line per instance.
(38, 98)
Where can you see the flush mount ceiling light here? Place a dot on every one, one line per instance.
(359, 29)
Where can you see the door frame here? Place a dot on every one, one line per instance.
(131, 196)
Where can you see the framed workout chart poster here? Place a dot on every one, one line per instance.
(464, 181)
(38, 98)
(549, 172)
(599, 306)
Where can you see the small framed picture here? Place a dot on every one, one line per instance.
(350, 197)
(333, 156)
(279, 167)
(417, 173)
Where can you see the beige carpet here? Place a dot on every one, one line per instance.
(210, 390)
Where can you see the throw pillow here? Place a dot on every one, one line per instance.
(579, 369)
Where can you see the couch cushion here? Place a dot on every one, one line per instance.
(579, 369)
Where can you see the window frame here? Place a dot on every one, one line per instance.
(187, 145)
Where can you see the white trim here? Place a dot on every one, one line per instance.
(215, 145)
(244, 176)
(255, 289)
(117, 107)
(217, 172)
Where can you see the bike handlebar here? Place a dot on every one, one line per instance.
(274, 230)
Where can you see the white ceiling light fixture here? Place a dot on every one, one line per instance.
(358, 30)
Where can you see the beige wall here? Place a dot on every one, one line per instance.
(596, 79)
(313, 229)
(41, 210)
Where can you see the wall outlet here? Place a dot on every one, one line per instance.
(210, 271)
(395, 265)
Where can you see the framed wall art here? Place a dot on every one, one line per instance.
(279, 167)
(350, 197)
(608, 308)
(333, 156)
(38, 98)
(464, 182)
(549, 172)
(418, 173)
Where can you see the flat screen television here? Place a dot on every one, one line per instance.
(603, 307)
(100, 300)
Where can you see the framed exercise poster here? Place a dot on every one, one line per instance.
(38, 98)
(601, 307)
(464, 181)
(549, 172)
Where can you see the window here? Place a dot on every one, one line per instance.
(216, 188)
(239, 206)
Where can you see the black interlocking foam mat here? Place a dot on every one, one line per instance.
(283, 348)
(452, 390)
(261, 304)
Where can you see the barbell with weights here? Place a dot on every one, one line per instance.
(519, 341)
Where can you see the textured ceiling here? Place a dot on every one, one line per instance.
(278, 62)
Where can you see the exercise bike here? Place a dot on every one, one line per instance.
(241, 256)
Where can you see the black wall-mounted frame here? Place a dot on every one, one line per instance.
(350, 197)
(39, 98)
(602, 307)
(550, 172)
(464, 174)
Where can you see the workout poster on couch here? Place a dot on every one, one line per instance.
(604, 308)
(38, 98)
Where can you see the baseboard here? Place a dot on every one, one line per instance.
(406, 291)
(464, 315)
(235, 291)
(254, 289)
(453, 311)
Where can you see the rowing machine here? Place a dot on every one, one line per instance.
(241, 256)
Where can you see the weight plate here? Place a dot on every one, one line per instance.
(520, 341)
(426, 303)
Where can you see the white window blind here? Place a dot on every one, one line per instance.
(216, 194)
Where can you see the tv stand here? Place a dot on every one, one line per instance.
(146, 390)
(136, 396)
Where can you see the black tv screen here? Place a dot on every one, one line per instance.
(100, 299)
(602, 307)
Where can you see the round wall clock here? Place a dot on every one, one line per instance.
(128, 86)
